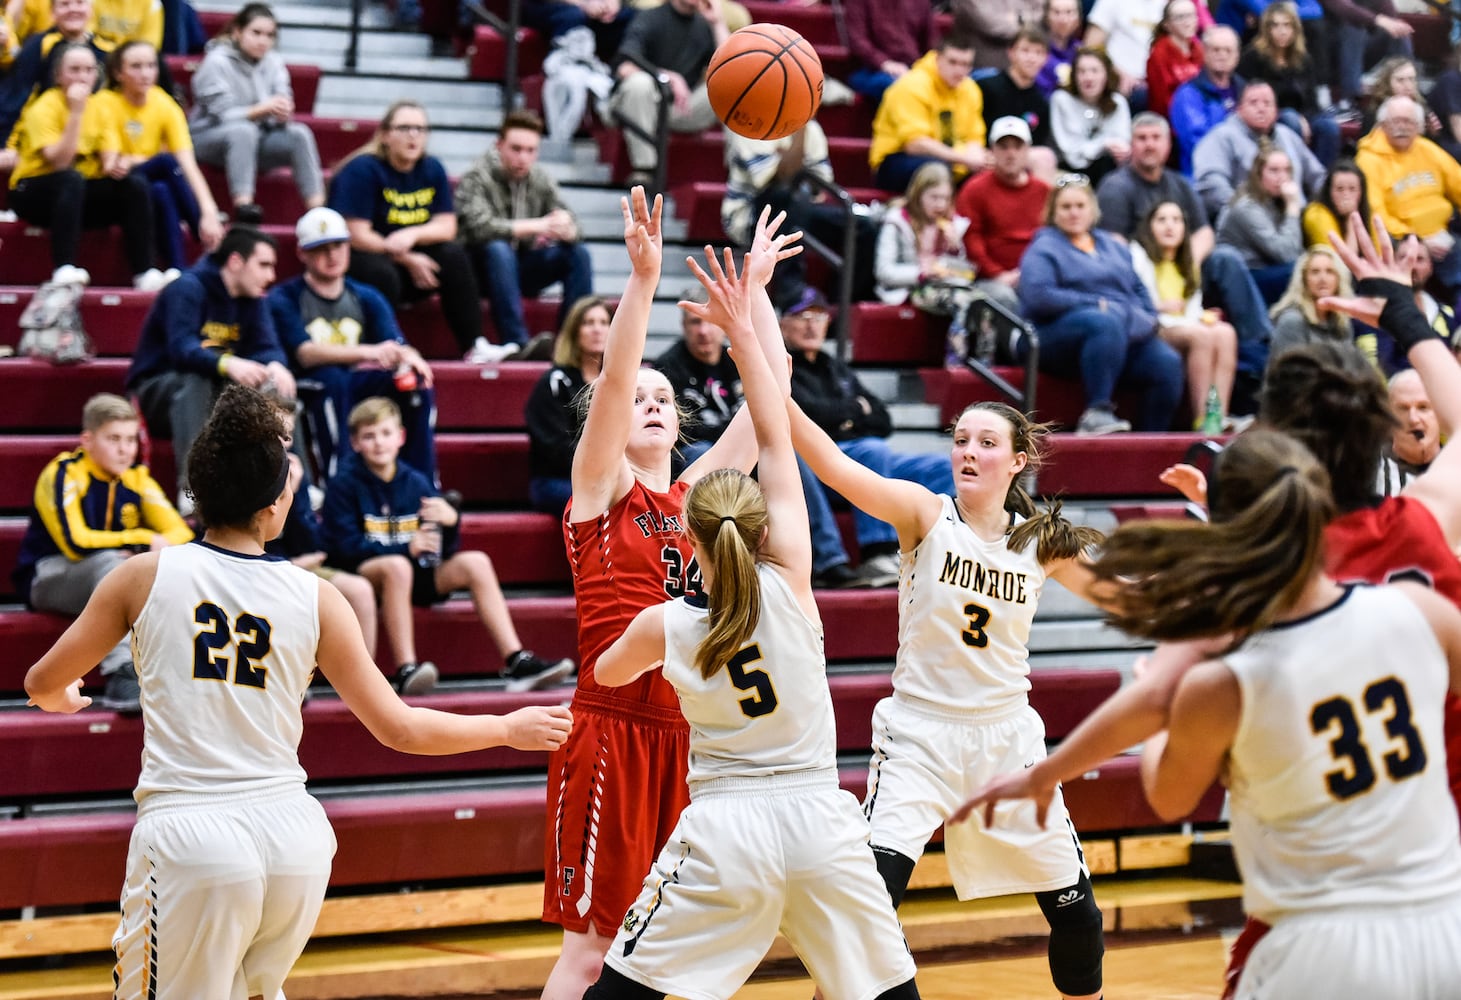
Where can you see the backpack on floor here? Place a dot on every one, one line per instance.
(51, 325)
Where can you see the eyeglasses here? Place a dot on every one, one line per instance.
(411, 129)
(1072, 180)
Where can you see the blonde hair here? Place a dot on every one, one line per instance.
(725, 513)
(1298, 52)
(103, 408)
(567, 352)
(369, 412)
(1297, 296)
(927, 176)
(376, 144)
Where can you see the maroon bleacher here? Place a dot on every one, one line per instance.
(25, 257)
(700, 156)
(698, 203)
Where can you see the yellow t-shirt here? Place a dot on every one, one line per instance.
(1171, 286)
(159, 126)
(44, 121)
(34, 19)
(118, 21)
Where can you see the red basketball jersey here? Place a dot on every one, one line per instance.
(635, 555)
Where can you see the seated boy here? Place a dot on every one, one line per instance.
(385, 520)
(93, 507)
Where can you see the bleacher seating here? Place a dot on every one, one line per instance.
(304, 79)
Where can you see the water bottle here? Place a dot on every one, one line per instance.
(429, 558)
(1212, 417)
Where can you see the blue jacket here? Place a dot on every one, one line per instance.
(1057, 279)
(194, 322)
(284, 310)
(364, 516)
(1197, 107)
(1235, 13)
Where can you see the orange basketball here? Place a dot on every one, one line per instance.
(765, 82)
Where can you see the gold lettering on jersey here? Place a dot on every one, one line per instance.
(343, 332)
(388, 529)
(131, 516)
(217, 334)
(1001, 584)
(409, 208)
(652, 522)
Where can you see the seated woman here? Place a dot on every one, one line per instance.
(243, 110)
(1398, 76)
(920, 254)
(1094, 316)
(1262, 221)
(552, 411)
(397, 201)
(62, 181)
(1090, 120)
(1065, 24)
(154, 142)
(1344, 193)
(1298, 318)
(1176, 55)
(1279, 56)
(1162, 256)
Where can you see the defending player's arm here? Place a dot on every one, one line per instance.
(1444, 620)
(407, 728)
(638, 651)
(1179, 766)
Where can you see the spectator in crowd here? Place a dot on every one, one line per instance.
(1344, 194)
(1445, 101)
(152, 137)
(387, 522)
(933, 112)
(1414, 185)
(1177, 55)
(1398, 76)
(552, 411)
(831, 394)
(94, 506)
(1209, 98)
(64, 179)
(607, 20)
(1162, 256)
(1262, 221)
(1126, 197)
(1223, 157)
(27, 18)
(513, 218)
(1279, 55)
(397, 201)
(243, 114)
(208, 328)
(884, 52)
(993, 27)
(1064, 24)
(1090, 118)
(344, 345)
(1094, 316)
(677, 38)
(1005, 206)
(1012, 93)
(1417, 438)
(1299, 317)
(1125, 28)
(34, 68)
(1360, 28)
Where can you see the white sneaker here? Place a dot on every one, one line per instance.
(170, 275)
(150, 280)
(70, 274)
(484, 352)
(880, 571)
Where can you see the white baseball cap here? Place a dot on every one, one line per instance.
(319, 226)
(1004, 127)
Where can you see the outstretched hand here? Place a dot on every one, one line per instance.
(768, 249)
(730, 295)
(1187, 480)
(1028, 783)
(642, 235)
(1366, 259)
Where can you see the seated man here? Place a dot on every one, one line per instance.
(1013, 93)
(1005, 207)
(387, 522)
(933, 112)
(207, 328)
(93, 507)
(1224, 156)
(521, 233)
(344, 345)
(831, 395)
(885, 42)
(1200, 104)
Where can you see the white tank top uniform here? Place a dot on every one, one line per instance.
(960, 715)
(1343, 823)
(769, 841)
(230, 857)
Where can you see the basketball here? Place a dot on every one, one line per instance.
(765, 82)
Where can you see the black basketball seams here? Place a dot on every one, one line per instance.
(784, 43)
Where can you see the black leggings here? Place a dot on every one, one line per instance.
(66, 203)
(460, 301)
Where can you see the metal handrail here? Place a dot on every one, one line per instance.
(661, 137)
(1024, 399)
(508, 29)
(352, 50)
(844, 262)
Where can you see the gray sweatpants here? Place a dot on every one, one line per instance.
(243, 149)
(636, 100)
(64, 587)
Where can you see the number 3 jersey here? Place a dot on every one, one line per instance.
(224, 648)
(965, 607)
(769, 710)
(1338, 767)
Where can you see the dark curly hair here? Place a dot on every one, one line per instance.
(239, 464)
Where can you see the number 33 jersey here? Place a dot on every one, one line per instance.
(224, 647)
(766, 712)
(1338, 767)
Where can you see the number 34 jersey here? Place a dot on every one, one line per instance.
(1338, 767)
(965, 607)
(224, 648)
(769, 710)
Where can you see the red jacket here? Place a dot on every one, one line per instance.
(1167, 69)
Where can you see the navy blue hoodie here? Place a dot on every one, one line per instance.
(364, 516)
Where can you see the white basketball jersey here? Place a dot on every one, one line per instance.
(769, 710)
(965, 607)
(1338, 767)
(224, 648)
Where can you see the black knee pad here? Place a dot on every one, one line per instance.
(896, 869)
(903, 991)
(1077, 940)
(613, 985)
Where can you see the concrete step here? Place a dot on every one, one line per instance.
(381, 48)
(332, 13)
(378, 91)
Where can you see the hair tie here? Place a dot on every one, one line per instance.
(1288, 470)
(728, 517)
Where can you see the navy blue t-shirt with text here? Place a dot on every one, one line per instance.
(370, 188)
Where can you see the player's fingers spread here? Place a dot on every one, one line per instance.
(730, 263)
